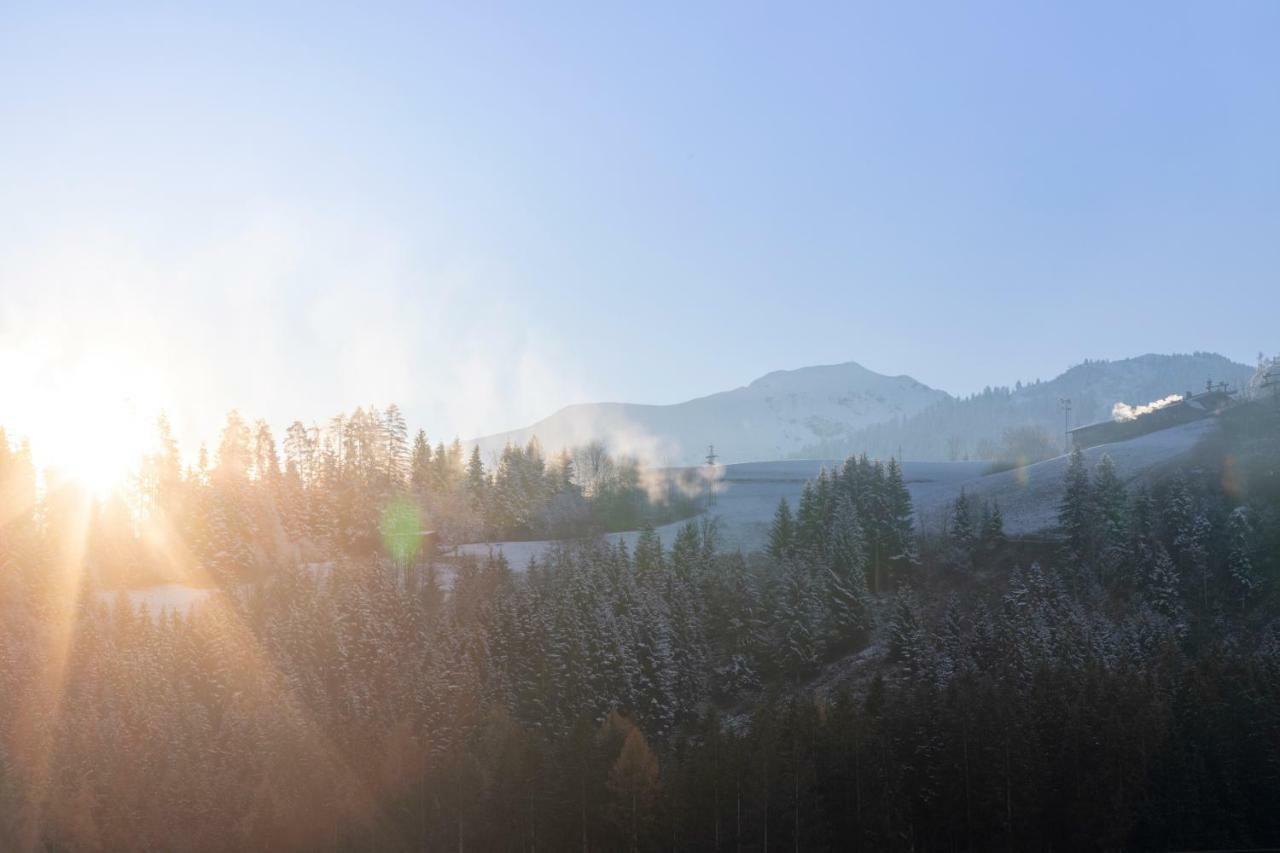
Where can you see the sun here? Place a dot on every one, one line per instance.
(102, 462)
(92, 429)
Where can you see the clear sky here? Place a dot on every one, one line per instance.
(488, 212)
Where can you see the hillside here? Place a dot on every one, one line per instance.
(774, 417)
(972, 427)
(832, 411)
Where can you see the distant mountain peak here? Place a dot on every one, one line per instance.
(772, 417)
(832, 410)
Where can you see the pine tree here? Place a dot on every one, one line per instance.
(1110, 513)
(648, 556)
(477, 486)
(901, 515)
(1163, 588)
(961, 536)
(908, 643)
(420, 475)
(809, 525)
(686, 551)
(848, 618)
(782, 532)
(1075, 512)
(266, 461)
(798, 617)
(993, 537)
(1241, 546)
(395, 438)
(234, 454)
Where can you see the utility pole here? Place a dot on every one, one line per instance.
(711, 474)
(1065, 403)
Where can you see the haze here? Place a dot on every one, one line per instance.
(486, 214)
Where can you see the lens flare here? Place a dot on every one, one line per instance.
(401, 528)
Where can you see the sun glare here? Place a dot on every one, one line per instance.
(101, 463)
(92, 430)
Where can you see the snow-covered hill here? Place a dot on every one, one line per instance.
(832, 411)
(970, 427)
(748, 494)
(772, 418)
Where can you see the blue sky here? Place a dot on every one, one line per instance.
(487, 212)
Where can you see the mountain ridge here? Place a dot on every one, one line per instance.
(833, 410)
(772, 416)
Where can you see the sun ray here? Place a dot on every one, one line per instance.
(68, 510)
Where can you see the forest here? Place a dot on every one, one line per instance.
(352, 489)
(857, 686)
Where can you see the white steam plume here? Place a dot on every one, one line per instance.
(1125, 412)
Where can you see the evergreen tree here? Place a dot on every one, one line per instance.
(1075, 511)
(1110, 511)
(477, 485)
(1241, 547)
(900, 537)
(234, 453)
(782, 532)
(395, 437)
(848, 619)
(993, 538)
(1163, 589)
(648, 556)
(961, 535)
(420, 475)
(908, 642)
(809, 521)
(798, 617)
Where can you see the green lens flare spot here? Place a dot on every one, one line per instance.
(401, 528)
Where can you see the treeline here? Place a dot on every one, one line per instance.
(338, 491)
(1121, 693)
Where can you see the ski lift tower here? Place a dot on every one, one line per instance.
(1271, 382)
(711, 474)
(1065, 404)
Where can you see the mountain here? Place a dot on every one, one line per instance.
(832, 411)
(973, 427)
(774, 417)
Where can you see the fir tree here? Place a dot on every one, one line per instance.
(961, 535)
(782, 532)
(901, 514)
(395, 437)
(846, 578)
(798, 615)
(1240, 554)
(1075, 511)
(908, 643)
(1110, 511)
(1163, 588)
(420, 476)
(993, 537)
(648, 556)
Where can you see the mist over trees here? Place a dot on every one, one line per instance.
(324, 493)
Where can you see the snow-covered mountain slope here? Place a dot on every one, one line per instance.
(1029, 496)
(967, 428)
(772, 418)
(748, 494)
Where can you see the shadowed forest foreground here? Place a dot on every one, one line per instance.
(857, 687)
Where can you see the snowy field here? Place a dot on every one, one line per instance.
(749, 492)
(1029, 496)
(746, 499)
